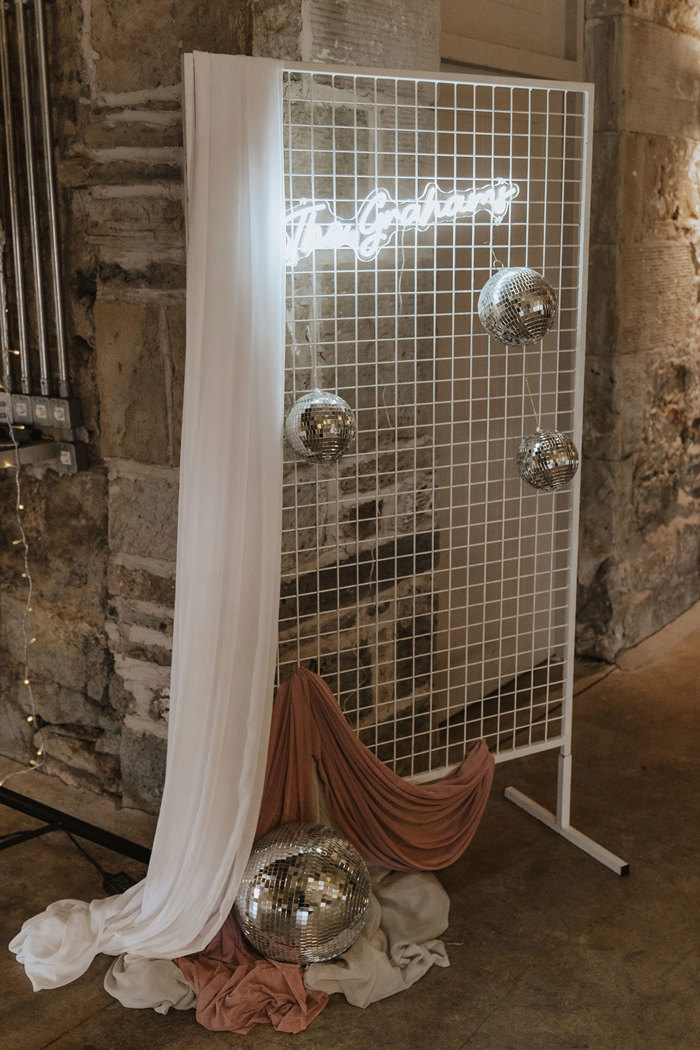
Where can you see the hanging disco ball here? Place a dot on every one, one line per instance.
(304, 894)
(320, 426)
(517, 306)
(547, 459)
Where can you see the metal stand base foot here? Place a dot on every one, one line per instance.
(56, 820)
(599, 853)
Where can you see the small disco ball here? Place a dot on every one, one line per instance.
(547, 459)
(517, 306)
(320, 426)
(304, 894)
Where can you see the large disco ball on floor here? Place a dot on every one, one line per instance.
(304, 894)
(320, 426)
(547, 459)
(517, 306)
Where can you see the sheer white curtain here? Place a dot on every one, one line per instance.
(228, 555)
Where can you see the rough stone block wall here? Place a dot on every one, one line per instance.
(640, 551)
(103, 542)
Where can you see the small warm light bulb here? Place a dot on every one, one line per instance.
(32, 761)
(31, 641)
(20, 506)
(29, 718)
(15, 352)
(26, 681)
(24, 575)
(15, 542)
(7, 463)
(40, 751)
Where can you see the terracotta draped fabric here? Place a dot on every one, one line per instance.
(401, 825)
(404, 826)
(237, 989)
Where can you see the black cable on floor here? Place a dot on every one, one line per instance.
(112, 881)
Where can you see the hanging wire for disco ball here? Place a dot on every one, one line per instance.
(320, 426)
(547, 459)
(517, 306)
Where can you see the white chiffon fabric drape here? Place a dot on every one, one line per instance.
(228, 553)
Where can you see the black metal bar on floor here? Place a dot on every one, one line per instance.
(65, 822)
(15, 837)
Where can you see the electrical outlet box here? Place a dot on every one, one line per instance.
(5, 408)
(22, 408)
(66, 413)
(72, 457)
(42, 412)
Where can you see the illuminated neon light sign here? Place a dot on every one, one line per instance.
(313, 226)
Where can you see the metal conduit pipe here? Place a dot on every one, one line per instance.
(25, 378)
(7, 380)
(42, 63)
(44, 377)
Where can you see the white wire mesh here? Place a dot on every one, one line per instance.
(426, 583)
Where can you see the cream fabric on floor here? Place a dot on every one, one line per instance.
(149, 983)
(408, 911)
(228, 555)
(399, 943)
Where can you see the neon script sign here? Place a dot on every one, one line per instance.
(314, 226)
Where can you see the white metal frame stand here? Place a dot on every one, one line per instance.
(349, 202)
(560, 821)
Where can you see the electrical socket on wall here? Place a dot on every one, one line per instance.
(66, 413)
(22, 408)
(5, 408)
(72, 457)
(41, 411)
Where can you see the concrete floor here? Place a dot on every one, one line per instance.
(549, 950)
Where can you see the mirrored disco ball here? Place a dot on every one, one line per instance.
(304, 894)
(320, 426)
(517, 306)
(547, 459)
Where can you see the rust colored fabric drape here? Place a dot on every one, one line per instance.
(403, 826)
(237, 989)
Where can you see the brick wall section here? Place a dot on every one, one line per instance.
(641, 479)
(103, 543)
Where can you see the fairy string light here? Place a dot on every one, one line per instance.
(26, 682)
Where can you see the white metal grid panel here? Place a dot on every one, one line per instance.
(428, 585)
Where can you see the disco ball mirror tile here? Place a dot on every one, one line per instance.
(547, 459)
(320, 426)
(517, 306)
(304, 894)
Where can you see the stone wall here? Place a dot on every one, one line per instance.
(103, 542)
(640, 478)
